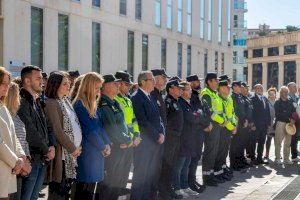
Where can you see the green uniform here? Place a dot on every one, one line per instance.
(130, 119)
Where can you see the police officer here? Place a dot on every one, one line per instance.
(161, 79)
(226, 131)
(237, 157)
(201, 107)
(117, 166)
(172, 143)
(126, 105)
(211, 142)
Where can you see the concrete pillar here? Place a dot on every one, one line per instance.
(281, 50)
(250, 74)
(280, 74)
(298, 72)
(264, 74)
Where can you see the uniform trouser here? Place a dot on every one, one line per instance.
(117, 167)
(147, 162)
(280, 135)
(294, 146)
(195, 161)
(84, 191)
(171, 154)
(257, 141)
(223, 150)
(211, 143)
(238, 144)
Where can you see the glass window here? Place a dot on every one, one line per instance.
(222, 64)
(138, 9)
(273, 51)
(189, 17)
(63, 42)
(96, 3)
(209, 28)
(123, 7)
(189, 60)
(289, 72)
(234, 74)
(202, 18)
(96, 47)
(257, 53)
(220, 21)
(157, 12)
(290, 49)
(272, 75)
(37, 37)
(245, 72)
(256, 74)
(205, 60)
(145, 52)
(246, 53)
(179, 60)
(169, 14)
(229, 21)
(130, 52)
(216, 62)
(179, 16)
(164, 53)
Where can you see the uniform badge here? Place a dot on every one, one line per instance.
(175, 106)
(158, 103)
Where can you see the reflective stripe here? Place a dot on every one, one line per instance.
(219, 172)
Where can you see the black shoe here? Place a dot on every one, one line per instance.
(226, 177)
(162, 196)
(174, 195)
(219, 179)
(262, 162)
(228, 170)
(198, 184)
(197, 188)
(210, 181)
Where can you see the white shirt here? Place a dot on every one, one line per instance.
(75, 126)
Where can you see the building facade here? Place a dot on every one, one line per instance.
(183, 36)
(239, 40)
(274, 60)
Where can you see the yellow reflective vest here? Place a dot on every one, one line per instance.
(217, 112)
(229, 113)
(130, 119)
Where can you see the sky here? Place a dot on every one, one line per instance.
(276, 13)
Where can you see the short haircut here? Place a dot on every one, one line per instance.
(143, 76)
(27, 70)
(291, 84)
(18, 81)
(272, 89)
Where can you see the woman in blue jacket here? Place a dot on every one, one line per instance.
(95, 142)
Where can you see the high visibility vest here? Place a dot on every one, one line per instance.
(229, 113)
(216, 105)
(130, 119)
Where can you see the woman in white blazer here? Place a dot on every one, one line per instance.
(11, 153)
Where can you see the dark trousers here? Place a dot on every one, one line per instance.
(238, 145)
(294, 146)
(268, 143)
(32, 184)
(84, 191)
(180, 173)
(117, 168)
(147, 162)
(257, 142)
(170, 156)
(223, 150)
(211, 143)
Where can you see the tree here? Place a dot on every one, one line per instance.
(290, 28)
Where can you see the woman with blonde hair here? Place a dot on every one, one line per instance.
(12, 156)
(95, 142)
(12, 103)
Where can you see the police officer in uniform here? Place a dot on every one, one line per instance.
(172, 143)
(212, 139)
(237, 157)
(226, 131)
(117, 166)
(126, 105)
(161, 79)
(201, 107)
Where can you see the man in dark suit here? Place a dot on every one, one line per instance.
(262, 120)
(148, 155)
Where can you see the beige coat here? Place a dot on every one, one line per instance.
(10, 150)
